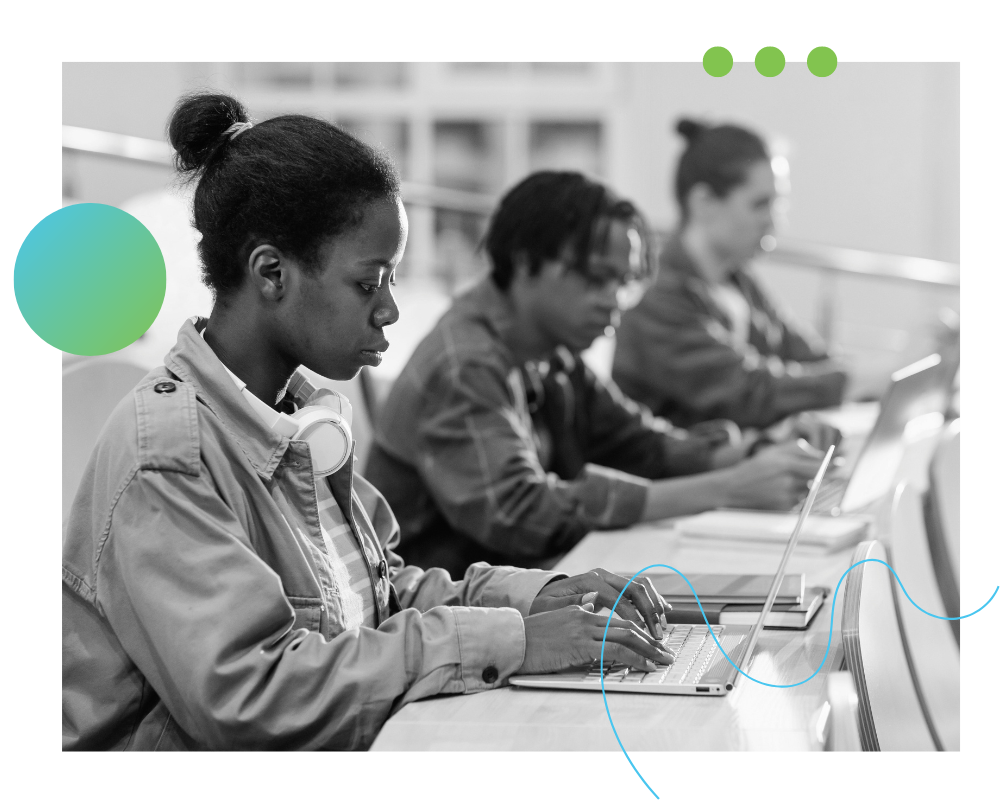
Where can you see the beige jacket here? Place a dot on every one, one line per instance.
(192, 613)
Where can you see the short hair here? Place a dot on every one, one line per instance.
(719, 156)
(292, 181)
(549, 210)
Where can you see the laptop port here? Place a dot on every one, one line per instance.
(701, 688)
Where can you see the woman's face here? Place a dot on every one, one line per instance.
(333, 320)
(736, 223)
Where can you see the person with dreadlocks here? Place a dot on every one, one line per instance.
(497, 443)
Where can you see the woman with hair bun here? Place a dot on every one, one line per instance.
(229, 582)
(706, 341)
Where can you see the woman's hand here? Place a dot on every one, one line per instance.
(571, 637)
(641, 604)
(776, 478)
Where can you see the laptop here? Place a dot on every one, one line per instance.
(700, 668)
(924, 387)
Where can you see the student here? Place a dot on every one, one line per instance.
(219, 590)
(706, 341)
(496, 442)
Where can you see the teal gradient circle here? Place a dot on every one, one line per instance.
(89, 279)
(717, 61)
(770, 61)
(822, 61)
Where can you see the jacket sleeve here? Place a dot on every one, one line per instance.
(207, 623)
(671, 354)
(478, 458)
(482, 586)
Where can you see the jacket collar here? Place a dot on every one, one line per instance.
(194, 362)
(485, 302)
(675, 261)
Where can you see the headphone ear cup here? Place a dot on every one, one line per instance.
(328, 436)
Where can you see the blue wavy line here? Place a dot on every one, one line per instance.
(762, 683)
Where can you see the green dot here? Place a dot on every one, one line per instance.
(717, 61)
(89, 279)
(822, 61)
(769, 61)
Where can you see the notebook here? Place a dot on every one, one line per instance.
(793, 615)
(826, 533)
(722, 589)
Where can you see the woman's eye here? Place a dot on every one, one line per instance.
(370, 288)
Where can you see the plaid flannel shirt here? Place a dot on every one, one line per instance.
(477, 463)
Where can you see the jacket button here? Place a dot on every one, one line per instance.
(490, 674)
(165, 387)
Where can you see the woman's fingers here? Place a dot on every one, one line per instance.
(636, 603)
(635, 641)
(623, 655)
(623, 625)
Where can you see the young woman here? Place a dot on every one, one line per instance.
(705, 341)
(225, 584)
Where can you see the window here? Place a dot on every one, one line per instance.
(566, 145)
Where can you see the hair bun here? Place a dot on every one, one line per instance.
(690, 129)
(197, 124)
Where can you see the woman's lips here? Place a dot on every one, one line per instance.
(373, 356)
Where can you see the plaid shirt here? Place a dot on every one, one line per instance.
(678, 352)
(484, 458)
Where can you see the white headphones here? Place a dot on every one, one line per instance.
(323, 420)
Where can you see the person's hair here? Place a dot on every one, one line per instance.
(719, 156)
(291, 181)
(549, 210)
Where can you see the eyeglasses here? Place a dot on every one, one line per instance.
(628, 289)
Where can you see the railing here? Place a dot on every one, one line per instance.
(826, 258)
(153, 151)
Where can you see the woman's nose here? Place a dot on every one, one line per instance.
(387, 313)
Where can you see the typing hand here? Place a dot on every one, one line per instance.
(641, 603)
(571, 637)
(776, 478)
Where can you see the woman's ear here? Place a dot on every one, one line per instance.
(268, 272)
(701, 202)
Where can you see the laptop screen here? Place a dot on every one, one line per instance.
(921, 388)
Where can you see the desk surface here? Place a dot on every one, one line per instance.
(751, 717)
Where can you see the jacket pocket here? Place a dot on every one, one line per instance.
(308, 613)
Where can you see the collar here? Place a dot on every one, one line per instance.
(486, 303)
(194, 362)
(676, 262)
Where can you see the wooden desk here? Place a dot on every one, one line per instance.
(751, 717)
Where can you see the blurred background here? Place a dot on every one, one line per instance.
(867, 162)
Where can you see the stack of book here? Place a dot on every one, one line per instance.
(739, 599)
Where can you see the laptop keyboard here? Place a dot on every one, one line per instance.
(696, 653)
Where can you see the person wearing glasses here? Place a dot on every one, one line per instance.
(498, 443)
(706, 341)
